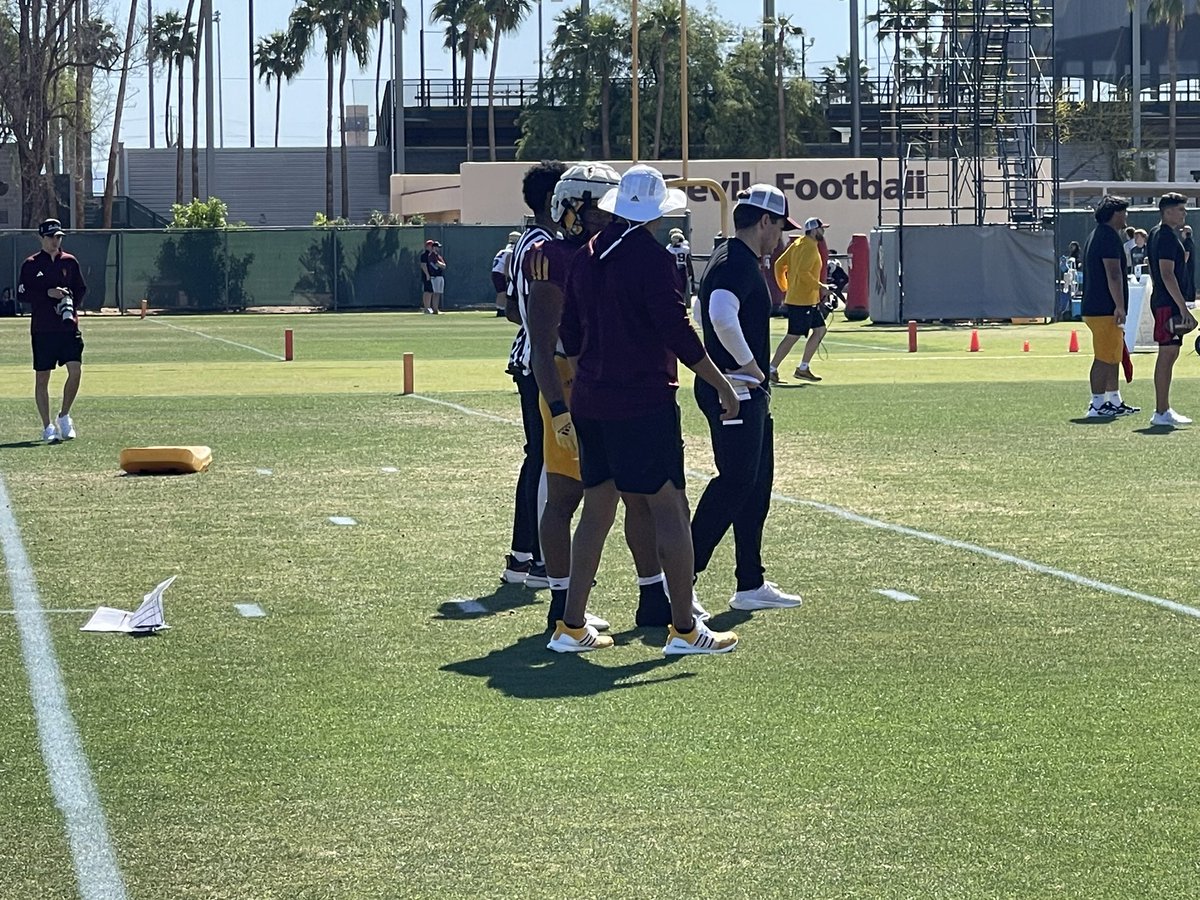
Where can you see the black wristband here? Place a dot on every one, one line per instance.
(557, 408)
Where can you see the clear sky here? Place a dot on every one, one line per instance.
(303, 110)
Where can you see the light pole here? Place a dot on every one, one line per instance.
(250, 31)
(1136, 73)
(855, 93)
(220, 80)
(541, 44)
(422, 93)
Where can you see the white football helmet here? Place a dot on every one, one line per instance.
(580, 185)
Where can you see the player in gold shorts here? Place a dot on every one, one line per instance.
(1105, 303)
(573, 208)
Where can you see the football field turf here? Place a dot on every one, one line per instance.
(1020, 723)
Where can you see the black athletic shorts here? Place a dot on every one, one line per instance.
(56, 348)
(499, 282)
(803, 319)
(639, 455)
(426, 285)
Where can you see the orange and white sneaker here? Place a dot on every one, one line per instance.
(577, 640)
(699, 640)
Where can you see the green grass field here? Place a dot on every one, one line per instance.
(1014, 732)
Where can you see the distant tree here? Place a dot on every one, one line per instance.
(276, 60)
(507, 16)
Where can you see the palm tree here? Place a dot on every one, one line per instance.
(784, 29)
(902, 20)
(662, 31)
(468, 30)
(310, 20)
(276, 60)
(201, 37)
(192, 44)
(354, 36)
(608, 45)
(170, 45)
(836, 79)
(1173, 14)
(110, 179)
(385, 16)
(506, 16)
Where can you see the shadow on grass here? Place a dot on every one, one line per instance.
(11, 444)
(526, 670)
(1094, 420)
(503, 599)
(1157, 429)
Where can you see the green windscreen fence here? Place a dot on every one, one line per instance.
(329, 268)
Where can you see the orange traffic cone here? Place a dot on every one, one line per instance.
(1025, 348)
(1073, 347)
(974, 342)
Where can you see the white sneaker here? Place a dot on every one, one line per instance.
(50, 435)
(698, 612)
(596, 622)
(66, 428)
(1104, 411)
(577, 640)
(769, 596)
(699, 640)
(1170, 418)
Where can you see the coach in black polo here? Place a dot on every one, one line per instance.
(734, 309)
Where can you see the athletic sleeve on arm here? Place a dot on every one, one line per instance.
(723, 306)
(78, 285)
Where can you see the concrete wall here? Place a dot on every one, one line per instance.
(264, 186)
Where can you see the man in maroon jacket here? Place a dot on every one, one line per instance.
(53, 286)
(625, 328)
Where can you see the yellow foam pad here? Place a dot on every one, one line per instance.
(165, 460)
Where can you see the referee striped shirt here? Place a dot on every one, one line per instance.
(518, 286)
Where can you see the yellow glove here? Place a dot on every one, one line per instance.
(564, 433)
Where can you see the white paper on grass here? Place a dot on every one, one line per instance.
(146, 618)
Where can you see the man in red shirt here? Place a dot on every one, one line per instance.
(625, 328)
(53, 286)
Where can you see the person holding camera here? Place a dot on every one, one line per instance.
(1172, 319)
(53, 286)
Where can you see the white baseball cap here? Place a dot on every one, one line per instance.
(814, 223)
(768, 198)
(642, 196)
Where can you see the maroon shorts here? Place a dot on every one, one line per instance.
(1163, 335)
(499, 282)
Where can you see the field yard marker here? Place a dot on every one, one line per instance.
(92, 855)
(408, 373)
(912, 336)
(389, 469)
(1025, 347)
(1027, 564)
(287, 345)
(342, 520)
(160, 321)
(898, 596)
(250, 610)
(974, 347)
(144, 302)
(469, 606)
(1073, 343)
(264, 471)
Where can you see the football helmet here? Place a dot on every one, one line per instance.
(579, 186)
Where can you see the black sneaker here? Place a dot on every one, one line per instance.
(805, 375)
(1126, 410)
(654, 609)
(515, 571)
(536, 577)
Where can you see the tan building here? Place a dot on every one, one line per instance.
(853, 195)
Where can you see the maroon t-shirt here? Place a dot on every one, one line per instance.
(625, 319)
(549, 261)
(39, 274)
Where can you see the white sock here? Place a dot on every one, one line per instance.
(559, 584)
(653, 579)
(1113, 397)
(774, 368)
(522, 557)
(1098, 400)
(803, 367)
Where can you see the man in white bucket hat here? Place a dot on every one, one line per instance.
(625, 328)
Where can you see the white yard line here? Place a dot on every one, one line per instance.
(859, 346)
(898, 596)
(159, 321)
(13, 612)
(92, 853)
(1029, 565)
(249, 610)
(466, 409)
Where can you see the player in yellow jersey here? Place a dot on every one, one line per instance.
(799, 271)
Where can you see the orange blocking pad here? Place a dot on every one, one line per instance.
(165, 460)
